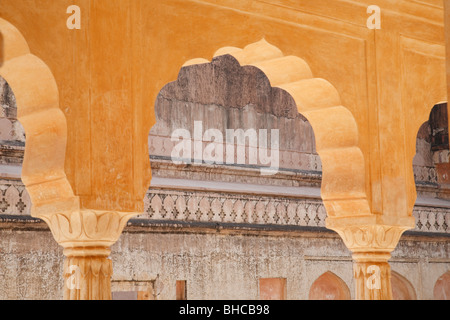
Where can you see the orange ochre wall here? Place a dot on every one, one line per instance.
(110, 71)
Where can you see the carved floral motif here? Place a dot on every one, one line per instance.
(371, 237)
(87, 227)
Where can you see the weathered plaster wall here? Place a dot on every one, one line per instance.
(223, 95)
(216, 265)
(30, 263)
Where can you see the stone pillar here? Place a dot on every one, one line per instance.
(86, 237)
(372, 274)
(87, 274)
(371, 246)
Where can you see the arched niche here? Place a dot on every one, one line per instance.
(402, 289)
(329, 287)
(441, 289)
(45, 126)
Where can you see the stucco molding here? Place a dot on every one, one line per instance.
(343, 183)
(45, 125)
(87, 228)
(371, 238)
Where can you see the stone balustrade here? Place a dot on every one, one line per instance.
(307, 210)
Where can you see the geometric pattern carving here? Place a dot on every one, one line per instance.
(14, 199)
(213, 206)
(432, 219)
(232, 208)
(87, 227)
(224, 207)
(427, 174)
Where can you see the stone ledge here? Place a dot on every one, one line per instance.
(232, 187)
(27, 223)
(141, 226)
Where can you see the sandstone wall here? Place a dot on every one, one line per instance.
(220, 227)
(216, 263)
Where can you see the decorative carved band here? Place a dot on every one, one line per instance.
(162, 205)
(233, 208)
(371, 238)
(87, 228)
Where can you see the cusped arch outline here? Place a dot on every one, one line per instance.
(336, 132)
(45, 125)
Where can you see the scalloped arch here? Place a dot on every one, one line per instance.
(343, 179)
(45, 125)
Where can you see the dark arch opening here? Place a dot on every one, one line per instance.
(14, 199)
(431, 168)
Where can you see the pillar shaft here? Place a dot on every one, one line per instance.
(87, 274)
(371, 245)
(372, 274)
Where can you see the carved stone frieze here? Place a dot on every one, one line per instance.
(173, 205)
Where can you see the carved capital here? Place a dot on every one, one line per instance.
(371, 246)
(86, 236)
(87, 228)
(371, 238)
